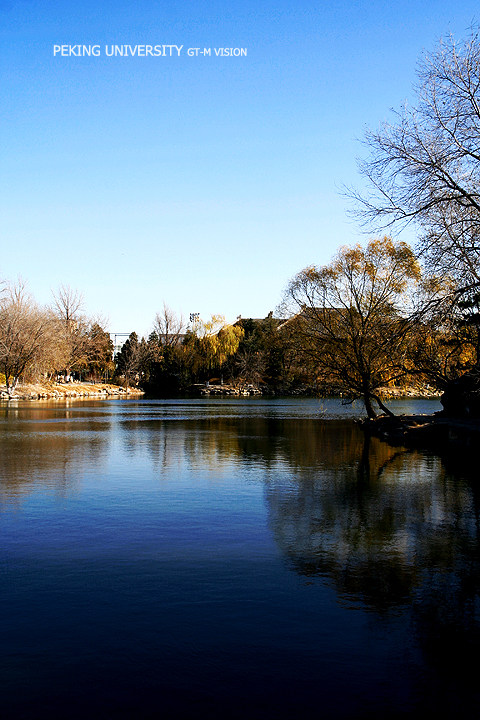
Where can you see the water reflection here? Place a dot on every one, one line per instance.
(367, 516)
(49, 448)
(391, 529)
(394, 533)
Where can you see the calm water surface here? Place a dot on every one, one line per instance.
(232, 559)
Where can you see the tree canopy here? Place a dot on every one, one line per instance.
(352, 316)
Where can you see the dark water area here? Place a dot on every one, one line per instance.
(232, 559)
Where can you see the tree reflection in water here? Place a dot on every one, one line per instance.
(393, 531)
(396, 530)
(49, 446)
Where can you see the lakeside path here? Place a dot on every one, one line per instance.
(63, 391)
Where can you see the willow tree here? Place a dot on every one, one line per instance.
(211, 343)
(353, 317)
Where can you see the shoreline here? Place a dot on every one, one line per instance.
(51, 390)
(250, 389)
(433, 432)
(67, 391)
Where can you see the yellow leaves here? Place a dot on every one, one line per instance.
(207, 328)
(354, 310)
(467, 356)
(310, 273)
(218, 340)
(382, 267)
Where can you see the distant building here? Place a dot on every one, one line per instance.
(171, 339)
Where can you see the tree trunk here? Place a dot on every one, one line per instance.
(11, 387)
(368, 406)
(383, 407)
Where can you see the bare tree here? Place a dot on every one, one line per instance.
(425, 166)
(23, 331)
(251, 364)
(72, 330)
(68, 304)
(169, 327)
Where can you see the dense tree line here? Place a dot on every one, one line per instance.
(367, 320)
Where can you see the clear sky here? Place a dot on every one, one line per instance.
(205, 182)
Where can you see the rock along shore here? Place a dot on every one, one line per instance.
(227, 389)
(250, 389)
(63, 391)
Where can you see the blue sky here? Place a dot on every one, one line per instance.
(204, 182)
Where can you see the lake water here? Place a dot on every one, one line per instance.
(232, 559)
